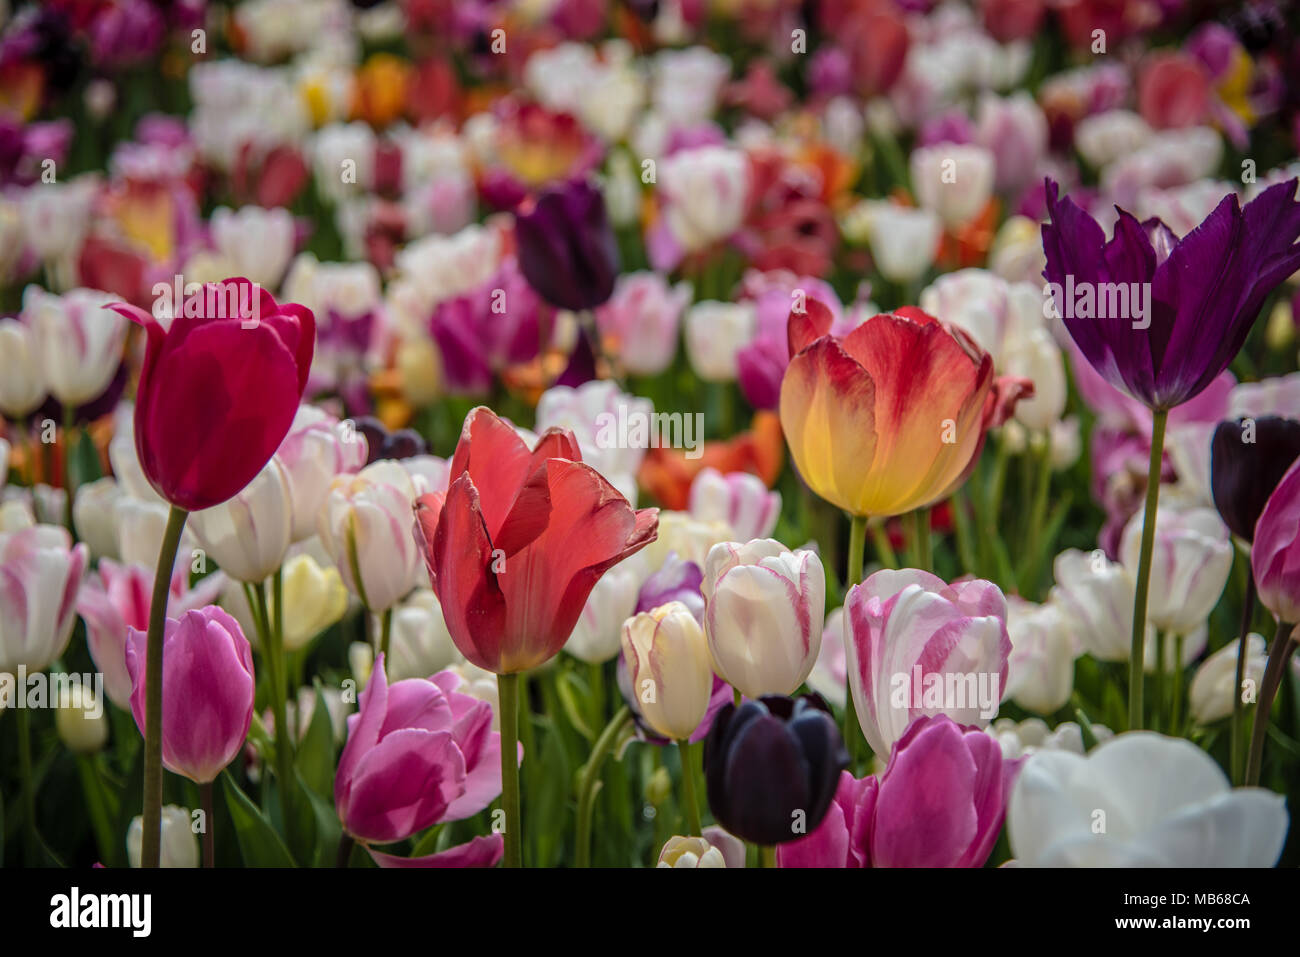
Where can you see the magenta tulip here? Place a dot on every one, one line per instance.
(940, 803)
(419, 752)
(208, 687)
(1275, 554)
(218, 390)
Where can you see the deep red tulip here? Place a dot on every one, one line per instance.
(218, 390)
(518, 540)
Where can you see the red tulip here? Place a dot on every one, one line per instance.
(519, 538)
(218, 390)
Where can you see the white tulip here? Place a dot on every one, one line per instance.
(78, 341)
(180, 845)
(1040, 669)
(1214, 688)
(22, 382)
(420, 644)
(249, 534)
(1190, 564)
(715, 334)
(595, 638)
(954, 180)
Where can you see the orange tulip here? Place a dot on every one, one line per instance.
(892, 416)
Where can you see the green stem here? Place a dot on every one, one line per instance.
(1037, 509)
(209, 825)
(690, 804)
(101, 823)
(1278, 654)
(385, 634)
(1158, 420)
(346, 844)
(857, 544)
(1158, 704)
(1176, 681)
(767, 855)
(276, 678)
(596, 672)
(31, 842)
(508, 695)
(880, 542)
(151, 840)
(917, 525)
(736, 696)
(590, 782)
(1239, 706)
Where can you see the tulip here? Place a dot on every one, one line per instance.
(1014, 129)
(207, 691)
(22, 383)
(596, 412)
(676, 580)
(668, 663)
(78, 342)
(254, 242)
(916, 645)
(858, 430)
(904, 241)
(41, 570)
(1192, 561)
(364, 526)
(613, 600)
(955, 181)
(829, 676)
(180, 846)
(1248, 459)
(1040, 668)
(704, 191)
(763, 614)
(80, 719)
(771, 767)
(640, 321)
(1275, 564)
(739, 499)
(317, 449)
(1095, 596)
(513, 579)
(715, 334)
(218, 393)
(421, 644)
(567, 250)
(1037, 358)
(314, 598)
(1216, 688)
(115, 600)
(1140, 800)
(418, 752)
(514, 548)
(958, 774)
(715, 848)
(1225, 270)
(249, 534)
(93, 508)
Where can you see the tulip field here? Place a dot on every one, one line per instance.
(648, 433)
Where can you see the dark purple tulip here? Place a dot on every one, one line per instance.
(383, 444)
(1245, 470)
(567, 249)
(1206, 289)
(771, 767)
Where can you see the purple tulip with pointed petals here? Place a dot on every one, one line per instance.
(1206, 289)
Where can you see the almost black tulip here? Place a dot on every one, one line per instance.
(1248, 458)
(567, 250)
(382, 444)
(771, 767)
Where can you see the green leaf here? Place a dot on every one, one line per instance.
(259, 844)
(315, 759)
(328, 829)
(566, 687)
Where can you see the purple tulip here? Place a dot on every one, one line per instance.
(771, 767)
(1202, 292)
(677, 580)
(940, 803)
(208, 687)
(418, 752)
(567, 249)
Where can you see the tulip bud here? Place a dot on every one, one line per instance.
(248, 535)
(771, 767)
(78, 341)
(763, 614)
(316, 449)
(667, 659)
(1189, 565)
(180, 845)
(739, 499)
(80, 719)
(1248, 458)
(956, 181)
(1040, 669)
(420, 643)
(41, 572)
(314, 599)
(1275, 554)
(690, 852)
(595, 637)
(93, 515)
(567, 250)
(207, 691)
(22, 385)
(1095, 596)
(1214, 691)
(365, 525)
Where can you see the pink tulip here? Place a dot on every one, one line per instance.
(1275, 554)
(484, 850)
(208, 687)
(940, 803)
(418, 752)
(116, 601)
(916, 645)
